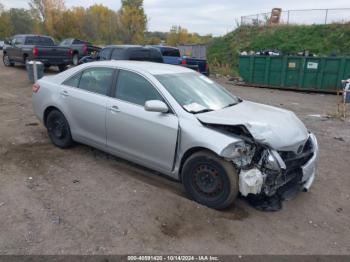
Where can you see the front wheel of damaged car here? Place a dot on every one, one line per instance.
(210, 180)
(59, 130)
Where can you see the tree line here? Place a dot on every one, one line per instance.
(97, 23)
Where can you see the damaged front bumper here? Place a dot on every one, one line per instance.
(278, 172)
(309, 169)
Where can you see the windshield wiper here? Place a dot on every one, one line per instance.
(203, 111)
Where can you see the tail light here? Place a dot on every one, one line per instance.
(36, 88)
(85, 49)
(35, 52)
(183, 62)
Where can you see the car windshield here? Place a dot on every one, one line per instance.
(197, 93)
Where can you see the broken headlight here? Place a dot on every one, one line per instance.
(240, 153)
(273, 161)
(272, 166)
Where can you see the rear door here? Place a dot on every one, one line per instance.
(10, 49)
(84, 97)
(17, 48)
(145, 137)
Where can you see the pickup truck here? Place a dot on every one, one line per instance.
(80, 48)
(125, 52)
(171, 55)
(24, 48)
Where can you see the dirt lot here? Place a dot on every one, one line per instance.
(83, 201)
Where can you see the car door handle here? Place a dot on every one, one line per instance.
(64, 93)
(114, 109)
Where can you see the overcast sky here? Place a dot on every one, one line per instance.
(204, 16)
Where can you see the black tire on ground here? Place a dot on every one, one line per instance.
(210, 180)
(59, 130)
(6, 60)
(25, 60)
(75, 59)
(61, 68)
(46, 67)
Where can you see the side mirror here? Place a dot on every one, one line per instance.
(156, 106)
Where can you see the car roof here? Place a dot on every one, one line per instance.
(31, 35)
(164, 47)
(143, 67)
(123, 46)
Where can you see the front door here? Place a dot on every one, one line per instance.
(148, 138)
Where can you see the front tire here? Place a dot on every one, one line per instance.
(6, 60)
(210, 180)
(59, 130)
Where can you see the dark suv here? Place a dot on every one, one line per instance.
(126, 52)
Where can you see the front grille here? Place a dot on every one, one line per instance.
(293, 160)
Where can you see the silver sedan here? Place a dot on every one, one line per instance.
(180, 123)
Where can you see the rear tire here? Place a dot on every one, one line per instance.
(25, 60)
(59, 130)
(6, 60)
(62, 68)
(210, 180)
(75, 59)
(47, 67)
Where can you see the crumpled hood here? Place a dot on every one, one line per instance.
(280, 129)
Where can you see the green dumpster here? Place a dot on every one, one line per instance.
(322, 74)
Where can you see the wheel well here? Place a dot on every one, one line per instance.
(189, 153)
(47, 112)
(75, 52)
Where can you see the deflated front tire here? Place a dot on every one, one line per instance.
(210, 180)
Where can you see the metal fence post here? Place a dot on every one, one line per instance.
(325, 21)
(288, 17)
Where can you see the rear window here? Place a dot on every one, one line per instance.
(171, 52)
(118, 54)
(39, 40)
(78, 42)
(146, 55)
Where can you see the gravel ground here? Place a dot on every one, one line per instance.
(83, 201)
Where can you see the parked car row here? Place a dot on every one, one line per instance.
(159, 54)
(23, 48)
